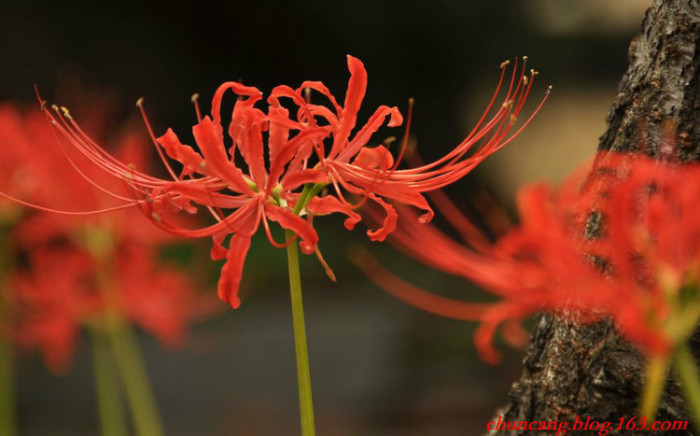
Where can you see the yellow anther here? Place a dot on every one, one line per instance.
(505, 64)
(66, 112)
(139, 102)
(194, 97)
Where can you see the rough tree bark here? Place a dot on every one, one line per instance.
(572, 370)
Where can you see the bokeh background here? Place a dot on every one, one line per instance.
(378, 366)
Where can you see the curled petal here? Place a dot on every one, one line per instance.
(191, 160)
(325, 113)
(320, 87)
(218, 251)
(208, 137)
(374, 158)
(329, 204)
(294, 180)
(251, 92)
(389, 223)
(232, 271)
(301, 227)
(375, 121)
(353, 99)
(288, 151)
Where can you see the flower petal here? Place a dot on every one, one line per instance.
(295, 223)
(353, 100)
(330, 204)
(191, 160)
(389, 223)
(372, 125)
(208, 137)
(232, 271)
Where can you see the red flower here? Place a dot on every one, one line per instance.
(22, 169)
(290, 156)
(640, 268)
(57, 291)
(61, 293)
(51, 302)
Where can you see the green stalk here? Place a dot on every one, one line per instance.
(124, 345)
(687, 370)
(125, 351)
(8, 422)
(656, 374)
(112, 419)
(306, 407)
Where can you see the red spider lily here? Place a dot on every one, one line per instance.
(58, 292)
(640, 270)
(306, 150)
(51, 302)
(61, 293)
(21, 167)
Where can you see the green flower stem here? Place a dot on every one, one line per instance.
(687, 370)
(112, 418)
(8, 423)
(309, 192)
(124, 345)
(306, 406)
(126, 353)
(656, 374)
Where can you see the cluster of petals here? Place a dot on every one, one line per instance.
(293, 161)
(61, 294)
(621, 241)
(77, 269)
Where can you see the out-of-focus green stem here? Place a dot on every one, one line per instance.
(8, 414)
(112, 418)
(124, 345)
(656, 374)
(306, 407)
(687, 370)
(138, 388)
(8, 424)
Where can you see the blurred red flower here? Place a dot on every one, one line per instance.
(62, 292)
(622, 242)
(80, 269)
(279, 162)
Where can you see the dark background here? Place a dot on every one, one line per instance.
(378, 367)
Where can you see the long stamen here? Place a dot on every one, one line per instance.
(195, 102)
(404, 143)
(66, 212)
(139, 103)
(328, 270)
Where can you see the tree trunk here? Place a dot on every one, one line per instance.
(586, 371)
